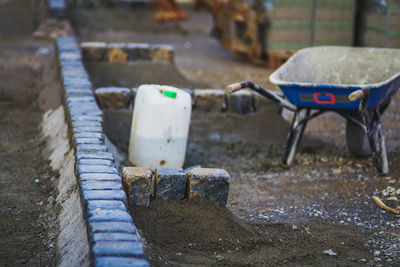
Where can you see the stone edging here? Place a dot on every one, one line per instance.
(113, 238)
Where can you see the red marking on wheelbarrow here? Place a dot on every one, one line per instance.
(324, 98)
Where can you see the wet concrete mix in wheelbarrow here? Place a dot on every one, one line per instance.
(319, 212)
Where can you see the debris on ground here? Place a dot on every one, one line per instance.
(383, 206)
(330, 252)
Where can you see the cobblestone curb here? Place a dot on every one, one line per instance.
(114, 239)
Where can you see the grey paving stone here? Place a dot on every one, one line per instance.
(91, 148)
(138, 51)
(79, 112)
(96, 169)
(138, 185)
(81, 99)
(104, 162)
(70, 56)
(120, 248)
(96, 155)
(105, 204)
(115, 237)
(104, 195)
(170, 184)
(102, 215)
(101, 185)
(100, 177)
(82, 129)
(120, 261)
(75, 92)
(86, 118)
(94, 141)
(211, 185)
(112, 227)
(113, 97)
(85, 123)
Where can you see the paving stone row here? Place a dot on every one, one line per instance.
(102, 51)
(208, 100)
(114, 239)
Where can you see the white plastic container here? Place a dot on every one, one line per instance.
(160, 127)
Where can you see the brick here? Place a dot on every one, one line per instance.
(211, 185)
(91, 148)
(96, 155)
(113, 97)
(137, 184)
(119, 248)
(209, 100)
(115, 237)
(105, 204)
(112, 227)
(241, 102)
(101, 185)
(99, 177)
(102, 215)
(163, 53)
(96, 169)
(137, 51)
(104, 195)
(93, 51)
(120, 261)
(170, 184)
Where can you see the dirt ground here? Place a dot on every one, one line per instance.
(28, 224)
(274, 216)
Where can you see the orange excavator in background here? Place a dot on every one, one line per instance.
(167, 10)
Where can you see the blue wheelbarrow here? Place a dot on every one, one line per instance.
(356, 83)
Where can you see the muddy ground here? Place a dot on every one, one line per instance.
(274, 216)
(28, 224)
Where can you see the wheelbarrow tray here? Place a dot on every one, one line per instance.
(323, 77)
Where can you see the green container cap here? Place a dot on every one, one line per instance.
(170, 94)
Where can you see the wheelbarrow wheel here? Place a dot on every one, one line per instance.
(357, 140)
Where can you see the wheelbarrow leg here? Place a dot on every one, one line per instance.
(374, 127)
(295, 134)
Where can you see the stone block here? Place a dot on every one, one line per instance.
(102, 215)
(81, 99)
(74, 92)
(91, 148)
(86, 124)
(99, 177)
(137, 51)
(113, 97)
(83, 129)
(120, 261)
(118, 248)
(105, 204)
(104, 195)
(93, 141)
(93, 51)
(211, 185)
(87, 118)
(170, 184)
(115, 237)
(209, 100)
(163, 53)
(96, 169)
(101, 185)
(103, 162)
(241, 102)
(83, 112)
(96, 155)
(137, 184)
(112, 227)
(116, 52)
(70, 56)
